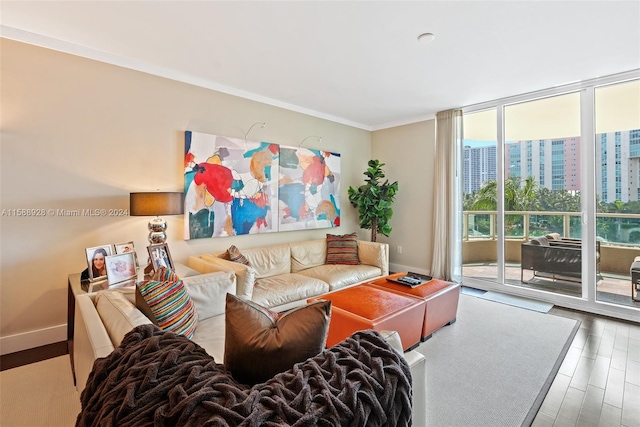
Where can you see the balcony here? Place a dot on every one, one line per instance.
(617, 251)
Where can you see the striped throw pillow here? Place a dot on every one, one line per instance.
(342, 249)
(163, 274)
(168, 305)
(234, 254)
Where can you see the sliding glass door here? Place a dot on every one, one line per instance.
(542, 209)
(617, 156)
(480, 172)
(551, 192)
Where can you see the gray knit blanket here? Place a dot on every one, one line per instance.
(157, 378)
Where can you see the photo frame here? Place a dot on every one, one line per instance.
(97, 270)
(121, 268)
(126, 247)
(160, 256)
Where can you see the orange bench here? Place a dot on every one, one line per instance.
(440, 297)
(364, 307)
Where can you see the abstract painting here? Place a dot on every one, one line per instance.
(230, 186)
(309, 189)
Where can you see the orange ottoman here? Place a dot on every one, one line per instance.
(368, 307)
(441, 301)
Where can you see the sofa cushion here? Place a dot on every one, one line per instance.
(118, 315)
(208, 292)
(374, 253)
(270, 260)
(342, 249)
(260, 343)
(308, 254)
(210, 335)
(339, 276)
(168, 305)
(286, 288)
(245, 275)
(184, 271)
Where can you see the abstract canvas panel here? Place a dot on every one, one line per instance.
(230, 186)
(309, 189)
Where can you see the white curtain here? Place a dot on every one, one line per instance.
(447, 198)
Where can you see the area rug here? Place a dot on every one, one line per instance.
(39, 394)
(494, 365)
(529, 304)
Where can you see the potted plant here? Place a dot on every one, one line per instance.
(374, 200)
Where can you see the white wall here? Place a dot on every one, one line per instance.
(81, 134)
(408, 152)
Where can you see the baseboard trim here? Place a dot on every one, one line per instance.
(33, 355)
(32, 339)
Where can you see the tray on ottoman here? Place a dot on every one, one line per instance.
(364, 307)
(441, 300)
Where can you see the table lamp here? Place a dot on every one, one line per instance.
(156, 204)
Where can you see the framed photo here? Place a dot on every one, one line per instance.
(126, 247)
(120, 268)
(96, 261)
(160, 256)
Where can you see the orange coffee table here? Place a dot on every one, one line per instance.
(440, 297)
(363, 307)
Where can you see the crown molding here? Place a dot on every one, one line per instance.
(146, 67)
(403, 122)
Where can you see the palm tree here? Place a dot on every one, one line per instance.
(519, 195)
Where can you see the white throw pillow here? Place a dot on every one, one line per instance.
(183, 271)
(118, 315)
(208, 292)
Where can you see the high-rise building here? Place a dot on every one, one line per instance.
(555, 164)
(479, 167)
(618, 166)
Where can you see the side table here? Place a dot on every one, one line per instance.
(75, 287)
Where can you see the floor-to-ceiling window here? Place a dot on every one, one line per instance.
(480, 171)
(542, 194)
(617, 187)
(555, 166)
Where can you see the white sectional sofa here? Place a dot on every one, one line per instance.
(101, 324)
(103, 318)
(283, 276)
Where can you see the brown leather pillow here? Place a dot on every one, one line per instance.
(260, 343)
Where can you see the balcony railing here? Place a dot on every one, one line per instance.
(619, 235)
(611, 228)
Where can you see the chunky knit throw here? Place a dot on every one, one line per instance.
(158, 378)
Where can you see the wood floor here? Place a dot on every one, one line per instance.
(598, 383)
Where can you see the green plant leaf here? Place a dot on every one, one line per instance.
(374, 200)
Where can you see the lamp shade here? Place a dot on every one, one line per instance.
(156, 203)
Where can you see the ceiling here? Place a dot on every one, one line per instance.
(357, 63)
